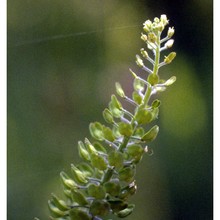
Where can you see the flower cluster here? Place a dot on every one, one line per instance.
(105, 179)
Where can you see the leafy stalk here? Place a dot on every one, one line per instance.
(102, 184)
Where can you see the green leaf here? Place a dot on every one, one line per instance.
(116, 159)
(96, 130)
(125, 129)
(151, 134)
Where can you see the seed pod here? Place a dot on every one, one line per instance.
(170, 81)
(60, 204)
(79, 214)
(115, 107)
(100, 208)
(96, 131)
(115, 159)
(137, 97)
(79, 176)
(136, 152)
(112, 187)
(96, 191)
(153, 79)
(83, 153)
(78, 197)
(119, 90)
(107, 115)
(126, 212)
(54, 210)
(98, 161)
(108, 134)
(143, 116)
(151, 134)
(138, 85)
(126, 174)
(125, 129)
(168, 59)
(117, 204)
(67, 181)
(86, 169)
(155, 103)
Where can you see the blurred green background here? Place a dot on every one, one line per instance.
(63, 60)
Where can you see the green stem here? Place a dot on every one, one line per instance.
(157, 55)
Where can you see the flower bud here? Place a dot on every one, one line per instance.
(163, 19)
(143, 37)
(151, 134)
(86, 168)
(170, 32)
(152, 37)
(168, 59)
(144, 53)
(147, 26)
(169, 43)
(139, 61)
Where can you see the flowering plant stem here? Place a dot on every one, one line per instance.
(102, 184)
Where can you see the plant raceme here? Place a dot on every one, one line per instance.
(102, 183)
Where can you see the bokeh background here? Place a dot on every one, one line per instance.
(63, 60)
